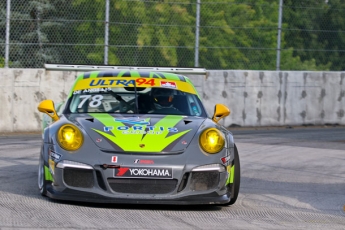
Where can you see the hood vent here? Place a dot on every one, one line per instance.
(90, 119)
(186, 122)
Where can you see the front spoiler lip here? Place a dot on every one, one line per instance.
(72, 195)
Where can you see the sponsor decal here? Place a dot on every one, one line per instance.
(114, 159)
(122, 82)
(51, 166)
(168, 84)
(120, 172)
(142, 132)
(109, 128)
(184, 142)
(141, 161)
(136, 172)
(92, 90)
(135, 121)
(225, 159)
(55, 156)
(98, 140)
(145, 130)
(142, 145)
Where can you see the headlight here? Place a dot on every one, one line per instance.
(211, 140)
(69, 137)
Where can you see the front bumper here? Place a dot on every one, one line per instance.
(99, 185)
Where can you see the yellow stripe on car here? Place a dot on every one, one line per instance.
(110, 82)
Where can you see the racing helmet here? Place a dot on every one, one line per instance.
(162, 97)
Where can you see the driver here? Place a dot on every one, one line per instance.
(162, 99)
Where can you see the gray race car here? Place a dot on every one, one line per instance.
(137, 137)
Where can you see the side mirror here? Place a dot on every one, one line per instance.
(220, 111)
(47, 107)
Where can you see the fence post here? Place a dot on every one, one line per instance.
(106, 32)
(197, 25)
(7, 45)
(280, 16)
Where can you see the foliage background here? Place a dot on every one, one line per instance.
(234, 34)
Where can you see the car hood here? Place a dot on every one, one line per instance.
(147, 133)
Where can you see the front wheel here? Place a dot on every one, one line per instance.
(235, 187)
(42, 184)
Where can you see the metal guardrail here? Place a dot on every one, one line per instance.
(176, 70)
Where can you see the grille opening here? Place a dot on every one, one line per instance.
(201, 181)
(82, 178)
(143, 186)
(100, 180)
(183, 182)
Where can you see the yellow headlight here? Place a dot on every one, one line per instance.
(211, 140)
(69, 137)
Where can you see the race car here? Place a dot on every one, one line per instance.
(140, 137)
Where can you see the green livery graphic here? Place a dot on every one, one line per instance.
(47, 173)
(152, 142)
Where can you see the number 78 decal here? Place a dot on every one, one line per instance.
(96, 100)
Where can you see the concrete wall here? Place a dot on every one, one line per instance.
(255, 98)
(271, 98)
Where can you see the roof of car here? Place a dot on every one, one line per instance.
(132, 74)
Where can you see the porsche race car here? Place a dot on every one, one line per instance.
(129, 136)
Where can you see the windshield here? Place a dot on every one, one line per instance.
(150, 100)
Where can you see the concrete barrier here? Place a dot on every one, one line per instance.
(255, 98)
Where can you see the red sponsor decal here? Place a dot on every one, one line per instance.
(225, 159)
(168, 84)
(141, 81)
(137, 161)
(121, 171)
(114, 159)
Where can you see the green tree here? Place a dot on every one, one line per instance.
(2, 62)
(238, 35)
(290, 62)
(86, 19)
(304, 31)
(27, 36)
(234, 34)
(140, 33)
(173, 33)
(333, 24)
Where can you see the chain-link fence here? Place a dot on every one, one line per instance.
(214, 34)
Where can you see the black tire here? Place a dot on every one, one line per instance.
(235, 187)
(42, 183)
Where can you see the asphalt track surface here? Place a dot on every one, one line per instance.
(291, 179)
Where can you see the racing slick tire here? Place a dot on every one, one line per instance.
(42, 183)
(235, 187)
